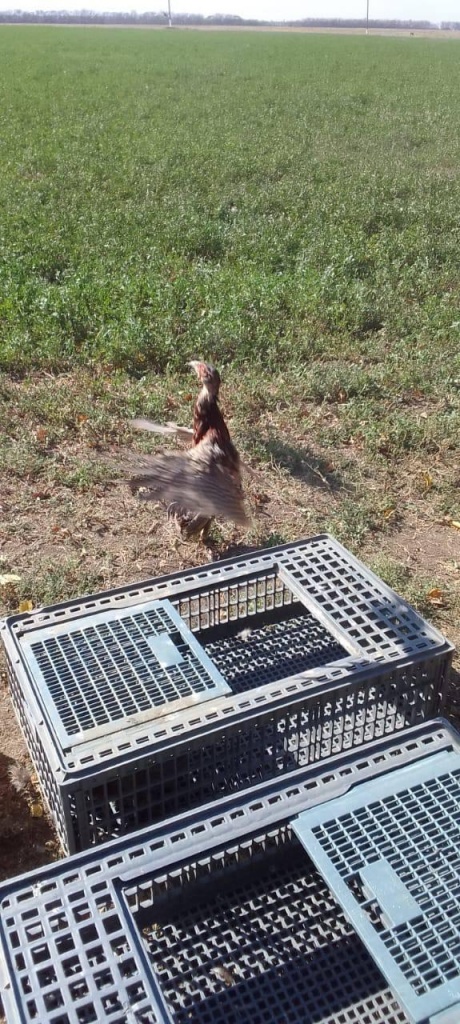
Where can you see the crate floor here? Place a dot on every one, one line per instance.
(265, 944)
(267, 651)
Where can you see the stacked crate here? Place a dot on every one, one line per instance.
(269, 721)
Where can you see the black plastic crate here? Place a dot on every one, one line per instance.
(297, 653)
(216, 917)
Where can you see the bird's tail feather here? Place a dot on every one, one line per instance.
(167, 429)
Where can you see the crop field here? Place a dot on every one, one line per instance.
(285, 205)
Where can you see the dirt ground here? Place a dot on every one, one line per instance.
(427, 33)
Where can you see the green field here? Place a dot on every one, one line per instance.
(263, 197)
(287, 205)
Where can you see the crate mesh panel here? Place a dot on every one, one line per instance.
(223, 602)
(419, 832)
(379, 624)
(74, 965)
(108, 671)
(259, 942)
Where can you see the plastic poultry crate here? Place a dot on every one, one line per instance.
(216, 917)
(145, 701)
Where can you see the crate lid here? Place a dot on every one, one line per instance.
(390, 852)
(118, 668)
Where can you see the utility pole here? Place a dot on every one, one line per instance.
(367, 18)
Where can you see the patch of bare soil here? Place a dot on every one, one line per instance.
(422, 545)
(430, 547)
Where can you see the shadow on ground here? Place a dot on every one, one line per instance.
(26, 841)
(299, 461)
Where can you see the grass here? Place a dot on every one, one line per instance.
(268, 198)
(284, 205)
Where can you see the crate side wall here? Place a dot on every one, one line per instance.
(241, 755)
(45, 765)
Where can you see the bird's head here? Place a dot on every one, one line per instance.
(208, 376)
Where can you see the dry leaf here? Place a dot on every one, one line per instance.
(427, 480)
(8, 577)
(435, 596)
(36, 810)
(226, 976)
(25, 606)
(19, 776)
(41, 434)
(456, 524)
(389, 512)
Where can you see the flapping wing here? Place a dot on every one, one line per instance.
(182, 434)
(168, 429)
(200, 484)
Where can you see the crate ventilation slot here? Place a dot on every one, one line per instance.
(390, 852)
(117, 668)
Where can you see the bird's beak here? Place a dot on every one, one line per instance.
(197, 365)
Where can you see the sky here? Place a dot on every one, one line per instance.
(429, 10)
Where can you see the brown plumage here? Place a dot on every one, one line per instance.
(203, 482)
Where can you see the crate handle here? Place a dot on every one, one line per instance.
(381, 882)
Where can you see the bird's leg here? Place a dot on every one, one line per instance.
(190, 526)
(173, 510)
(177, 515)
(196, 527)
(204, 532)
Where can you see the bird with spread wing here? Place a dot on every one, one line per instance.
(205, 480)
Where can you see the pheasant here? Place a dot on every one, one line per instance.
(204, 481)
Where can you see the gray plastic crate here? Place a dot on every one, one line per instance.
(317, 653)
(216, 917)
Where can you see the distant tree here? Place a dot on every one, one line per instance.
(90, 17)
